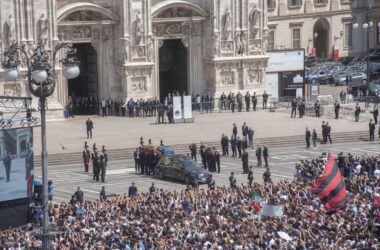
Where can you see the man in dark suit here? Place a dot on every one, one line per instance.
(232, 180)
(294, 108)
(89, 127)
(266, 155)
(132, 191)
(372, 128)
(258, 155)
(244, 160)
(254, 101)
(307, 137)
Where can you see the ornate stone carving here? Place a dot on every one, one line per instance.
(81, 32)
(254, 17)
(160, 43)
(158, 30)
(196, 30)
(11, 36)
(226, 23)
(44, 26)
(265, 41)
(126, 43)
(173, 29)
(138, 84)
(150, 48)
(106, 35)
(31, 48)
(85, 16)
(138, 51)
(138, 29)
(176, 12)
(215, 43)
(238, 44)
(227, 46)
(12, 89)
(226, 78)
(186, 29)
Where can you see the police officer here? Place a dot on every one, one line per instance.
(375, 114)
(136, 157)
(217, 159)
(193, 151)
(267, 176)
(250, 176)
(254, 101)
(247, 99)
(328, 132)
(86, 157)
(357, 112)
(265, 155)
(317, 108)
(239, 146)
(203, 155)
(244, 159)
(79, 195)
(102, 194)
(265, 99)
(372, 128)
(307, 137)
(95, 165)
(258, 155)
(232, 180)
(314, 137)
(294, 108)
(324, 136)
(233, 146)
(132, 191)
(152, 188)
(336, 109)
(102, 168)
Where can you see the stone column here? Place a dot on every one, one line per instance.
(29, 20)
(54, 24)
(125, 25)
(21, 4)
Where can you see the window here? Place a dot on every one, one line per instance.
(271, 4)
(296, 38)
(347, 35)
(294, 3)
(271, 40)
(320, 2)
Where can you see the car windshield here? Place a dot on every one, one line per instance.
(189, 164)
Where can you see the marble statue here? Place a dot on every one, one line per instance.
(226, 24)
(43, 28)
(11, 38)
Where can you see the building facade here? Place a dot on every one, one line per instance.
(325, 25)
(143, 48)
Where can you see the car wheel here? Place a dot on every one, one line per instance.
(162, 176)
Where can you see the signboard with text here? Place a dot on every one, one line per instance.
(177, 108)
(187, 107)
(285, 61)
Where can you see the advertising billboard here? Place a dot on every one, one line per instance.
(177, 108)
(187, 107)
(16, 163)
(285, 61)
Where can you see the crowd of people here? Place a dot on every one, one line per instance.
(223, 217)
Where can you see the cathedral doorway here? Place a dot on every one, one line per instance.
(86, 84)
(321, 37)
(173, 75)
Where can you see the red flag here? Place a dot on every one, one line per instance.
(330, 187)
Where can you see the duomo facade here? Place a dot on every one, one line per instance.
(143, 48)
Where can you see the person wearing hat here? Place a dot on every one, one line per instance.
(232, 180)
(86, 157)
(132, 191)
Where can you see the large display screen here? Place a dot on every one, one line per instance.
(16, 163)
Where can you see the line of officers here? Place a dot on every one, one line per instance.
(98, 160)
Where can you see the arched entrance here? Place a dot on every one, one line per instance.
(173, 68)
(86, 84)
(321, 34)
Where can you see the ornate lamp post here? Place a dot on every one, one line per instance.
(367, 26)
(41, 82)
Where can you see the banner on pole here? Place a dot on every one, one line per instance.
(272, 210)
(177, 108)
(187, 107)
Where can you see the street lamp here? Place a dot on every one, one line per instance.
(41, 82)
(367, 26)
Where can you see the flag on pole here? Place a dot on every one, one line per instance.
(330, 187)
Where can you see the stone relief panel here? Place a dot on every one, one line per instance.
(82, 32)
(254, 77)
(176, 12)
(11, 89)
(85, 15)
(138, 85)
(226, 78)
(76, 33)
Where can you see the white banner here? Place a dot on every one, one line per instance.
(283, 61)
(272, 210)
(187, 107)
(177, 108)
